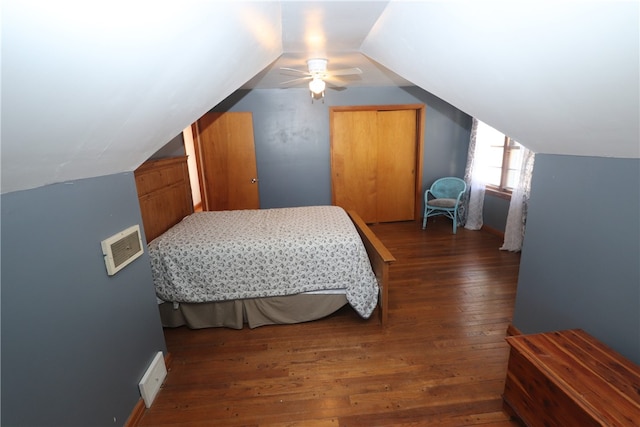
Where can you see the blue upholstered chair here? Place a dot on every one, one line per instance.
(444, 198)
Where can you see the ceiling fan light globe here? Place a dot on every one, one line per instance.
(317, 86)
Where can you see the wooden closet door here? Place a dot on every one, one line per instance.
(227, 161)
(396, 168)
(374, 161)
(354, 153)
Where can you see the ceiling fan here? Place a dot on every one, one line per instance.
(318, 76)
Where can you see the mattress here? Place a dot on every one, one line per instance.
(231, 255)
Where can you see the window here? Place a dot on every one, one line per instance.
(502, 156)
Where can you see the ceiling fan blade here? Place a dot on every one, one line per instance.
(346, 71)
(336, 87)
(296, 81)
(334, 82)
(295, 71)
(344, 80)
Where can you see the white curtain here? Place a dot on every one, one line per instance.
(474, 177)
(477, 161)
(517, 216)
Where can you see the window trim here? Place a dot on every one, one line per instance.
(502, 191)
(495, 191)
(509, 145)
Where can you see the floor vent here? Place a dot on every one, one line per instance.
(152, 379)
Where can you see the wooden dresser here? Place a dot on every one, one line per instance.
(567, 379)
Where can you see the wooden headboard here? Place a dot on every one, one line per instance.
(164, 193)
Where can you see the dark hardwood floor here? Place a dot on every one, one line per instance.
(441, 361)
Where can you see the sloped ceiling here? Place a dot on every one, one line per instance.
(561, 77)
(94, 88)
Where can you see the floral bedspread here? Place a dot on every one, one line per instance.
(225, 255)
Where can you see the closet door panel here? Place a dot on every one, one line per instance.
(396, 166)
(354, 153)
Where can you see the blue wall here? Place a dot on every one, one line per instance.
(75, 342)
(292, 138)
(580, 265)
(173, 148)
(495, 211)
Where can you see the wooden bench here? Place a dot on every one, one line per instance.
(567, 379)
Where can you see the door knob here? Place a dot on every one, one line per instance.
(254, 180)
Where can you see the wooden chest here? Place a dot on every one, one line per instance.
(568, 378)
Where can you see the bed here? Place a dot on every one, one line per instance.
(255, 267)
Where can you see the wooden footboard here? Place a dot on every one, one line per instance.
(380, 258)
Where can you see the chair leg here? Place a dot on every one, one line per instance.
(455, 222)
(424, 217)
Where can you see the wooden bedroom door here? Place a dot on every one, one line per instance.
(376, 155)
(227, 161)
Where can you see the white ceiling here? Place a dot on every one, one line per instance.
(94, 88)
(561, 77)
(334, 30)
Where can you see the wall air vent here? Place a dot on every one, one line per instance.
(152, 379)
(121, 249)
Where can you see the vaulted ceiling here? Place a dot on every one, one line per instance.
(94, 88)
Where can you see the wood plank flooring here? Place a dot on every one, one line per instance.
(441, 361)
